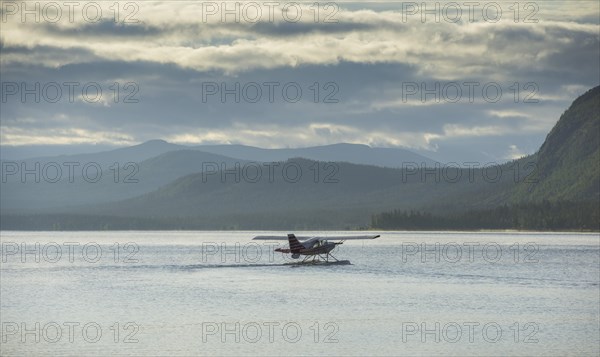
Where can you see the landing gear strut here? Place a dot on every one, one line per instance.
(317, 258)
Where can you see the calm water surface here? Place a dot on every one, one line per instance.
(219, 293)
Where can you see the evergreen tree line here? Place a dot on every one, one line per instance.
(544, 216)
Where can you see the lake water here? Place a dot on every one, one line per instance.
(219, 293)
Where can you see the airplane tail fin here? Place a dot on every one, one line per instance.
(295, 245)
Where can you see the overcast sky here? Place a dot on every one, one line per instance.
(369, 60)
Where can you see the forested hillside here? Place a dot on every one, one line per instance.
(562, 191)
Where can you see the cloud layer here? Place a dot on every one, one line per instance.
(489, 85)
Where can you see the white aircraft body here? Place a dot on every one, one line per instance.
(313, 247)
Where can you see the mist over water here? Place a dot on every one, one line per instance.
(219, 293)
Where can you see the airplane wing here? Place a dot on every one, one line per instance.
(271, 238)
(319, 238)
(349, 237)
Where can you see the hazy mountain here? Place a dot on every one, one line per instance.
(341, 195)
(22, 152)
(132, 171)
(353, 153)
(136, 153)
(324, 195)
(359, 190)
(114, 184)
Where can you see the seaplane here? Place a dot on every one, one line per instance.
(317, 250)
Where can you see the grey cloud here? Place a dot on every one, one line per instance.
(170, 93)
(103, 28)
(293, 29)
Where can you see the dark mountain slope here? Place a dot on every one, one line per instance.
(568, 162)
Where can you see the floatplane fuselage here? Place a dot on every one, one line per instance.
(317, 248)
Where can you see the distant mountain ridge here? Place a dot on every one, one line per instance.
(342, 195)
(342, 152)
(361, 189)
(135, 153)
(296, 193)
(156, 163)
(130, 181)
